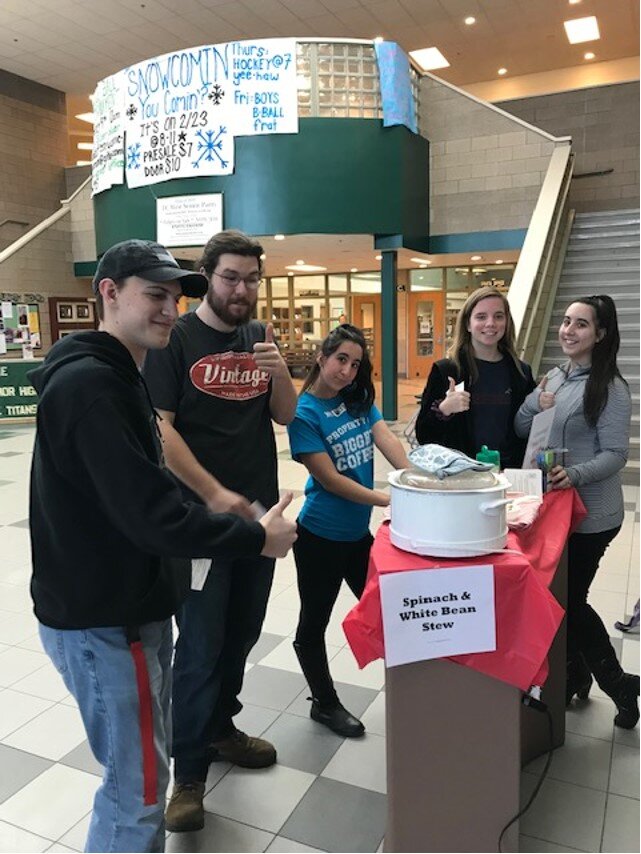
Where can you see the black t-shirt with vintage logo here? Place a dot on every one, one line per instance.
(221, 400)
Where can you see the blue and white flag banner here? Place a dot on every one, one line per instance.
(396, 86)
(108, 158)
(181, 111)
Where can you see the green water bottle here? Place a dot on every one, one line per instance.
(491, 457)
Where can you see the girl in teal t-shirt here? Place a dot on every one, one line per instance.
(334, 434)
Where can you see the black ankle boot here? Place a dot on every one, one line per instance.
(625, 698)
(578, 681)
(338, 719)
(622, 688)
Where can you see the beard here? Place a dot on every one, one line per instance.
(220, 307)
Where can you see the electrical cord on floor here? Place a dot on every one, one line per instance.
(533, 703)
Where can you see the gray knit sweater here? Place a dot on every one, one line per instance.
(595, 454)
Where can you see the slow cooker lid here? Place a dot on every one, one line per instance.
(464, 481)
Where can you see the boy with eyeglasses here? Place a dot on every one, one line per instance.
(217, 387)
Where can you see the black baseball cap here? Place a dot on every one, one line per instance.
(150, 261)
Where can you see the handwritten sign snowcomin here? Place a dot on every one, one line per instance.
(435, 613)
(179, 113)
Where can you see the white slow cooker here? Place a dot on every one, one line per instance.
(448, 523)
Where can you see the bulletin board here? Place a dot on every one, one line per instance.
(19, 326)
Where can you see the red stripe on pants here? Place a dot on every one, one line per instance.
(149, 764)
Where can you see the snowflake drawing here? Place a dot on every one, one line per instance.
(209, 144)
(131, 111)
(216, 95)
(133, 156)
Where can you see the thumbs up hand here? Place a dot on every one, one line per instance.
(280, 532)
(267, 355)
(455, 401)
(546, 398)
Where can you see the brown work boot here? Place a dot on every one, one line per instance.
(245, 750)
(185, 809)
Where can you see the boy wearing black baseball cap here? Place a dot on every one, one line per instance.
(105, 519)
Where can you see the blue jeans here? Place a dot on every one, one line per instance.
(218, 627)
(128, 732)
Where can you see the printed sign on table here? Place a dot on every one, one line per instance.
(108, 158)
(435, 613)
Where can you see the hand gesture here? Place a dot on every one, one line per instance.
(226, 501)
(455, 401)
(267, 355)
(280, 532)
(557, 478)
(546, 398)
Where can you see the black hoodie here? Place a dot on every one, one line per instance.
(104, 513)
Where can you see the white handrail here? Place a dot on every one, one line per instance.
(533, 249)
(63, 210)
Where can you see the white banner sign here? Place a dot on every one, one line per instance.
(264, 86)
(183, 109)
(188, 220)
(108, 158)
(435, 613)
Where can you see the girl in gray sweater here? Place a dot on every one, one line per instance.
(592, 420)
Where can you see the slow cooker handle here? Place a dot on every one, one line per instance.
(490, 508)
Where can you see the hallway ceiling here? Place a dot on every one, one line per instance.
(71, 44)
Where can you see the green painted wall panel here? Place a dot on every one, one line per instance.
(336, 176)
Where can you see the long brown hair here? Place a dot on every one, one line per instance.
(604, 356)
(462, 350)
(359, 395)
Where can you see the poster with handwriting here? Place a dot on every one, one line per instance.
(108, 158)
(183, 109)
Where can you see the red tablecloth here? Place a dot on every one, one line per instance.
(527, 614)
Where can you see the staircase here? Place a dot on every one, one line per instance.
(603, 257)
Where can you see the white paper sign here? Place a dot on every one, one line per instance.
(108, 157)
(188, 220)
(539, 437)
(265, 88)
(435, 613)
(177, 116)
(7, 309)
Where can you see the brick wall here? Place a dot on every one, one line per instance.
(604, 125)
(486, 169)
(33, 148)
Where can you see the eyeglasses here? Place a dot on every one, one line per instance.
(252, 282)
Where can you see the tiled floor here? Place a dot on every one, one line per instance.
(325, 793)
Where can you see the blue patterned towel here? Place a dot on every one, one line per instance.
(441, 461)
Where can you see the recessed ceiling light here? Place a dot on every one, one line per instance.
(379, 40)
(470, 20)
(290, 274)
(574, 2)
(263, 256)
(83, 162)
(475, 257)
(378, 257)
(302, 267)
(85, 117)
(354, 270)
(502, 71)
(429, 58)
(582, 30)
(85, 146)
(588, 55)
(300, 262)
(279, 237)
(422, 266)
(420, 260)
(499, 261)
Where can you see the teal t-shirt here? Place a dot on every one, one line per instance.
(325, 425)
